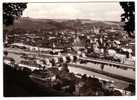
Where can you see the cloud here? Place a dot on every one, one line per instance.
(96, 11)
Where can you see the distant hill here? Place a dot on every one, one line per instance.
(62, 24)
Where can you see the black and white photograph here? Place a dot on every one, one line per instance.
(63, 49)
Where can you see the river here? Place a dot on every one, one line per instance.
(118, 83)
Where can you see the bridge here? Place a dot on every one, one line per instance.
(105, 62)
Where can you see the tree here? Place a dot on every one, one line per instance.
(12, 11)
(128, 17)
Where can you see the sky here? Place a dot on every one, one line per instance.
(108, 11)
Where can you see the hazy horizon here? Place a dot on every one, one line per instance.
(69, 19)
(93, 11)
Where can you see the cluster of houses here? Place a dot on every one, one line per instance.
(117, 53)
(102, 44)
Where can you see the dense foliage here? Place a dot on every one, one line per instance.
(128, 17)
(12, 11)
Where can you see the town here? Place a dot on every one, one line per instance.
(72, 57)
